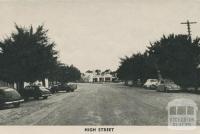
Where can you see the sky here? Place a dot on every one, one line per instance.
(95, 34)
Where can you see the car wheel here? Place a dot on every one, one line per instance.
(16, 104)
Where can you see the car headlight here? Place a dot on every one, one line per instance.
(8, 102)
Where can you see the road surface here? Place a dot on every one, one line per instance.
(96, 104)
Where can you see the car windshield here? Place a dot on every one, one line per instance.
(11, 93)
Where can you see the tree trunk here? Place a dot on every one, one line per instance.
(20, 85)
(196, 81)
(43, 83)
(126, 82)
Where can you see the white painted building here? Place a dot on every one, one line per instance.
(94, 77)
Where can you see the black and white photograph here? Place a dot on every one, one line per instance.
(100, 63)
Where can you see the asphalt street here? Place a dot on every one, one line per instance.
(96, 104)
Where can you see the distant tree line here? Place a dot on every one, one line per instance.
(63, 73)
(175, 57)
(28, 55)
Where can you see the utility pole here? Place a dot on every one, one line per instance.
(188, 23)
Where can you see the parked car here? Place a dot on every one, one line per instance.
(192, 90)
(151, 83)
(67, 87)
(72, 86)
(167, 86)
(9, 96)
(35, 91)
(129, 83)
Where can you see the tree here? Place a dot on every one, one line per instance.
(107, 71)
(138, 66)
(27, 56)
(177, 58)
(124, 72)
(63, 73)
(143, 67)
(59, 74)
(89, 71)
(98, 71)
(74, 74)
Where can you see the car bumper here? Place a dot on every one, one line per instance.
(173, 89)
(45, 95)
(14, 102)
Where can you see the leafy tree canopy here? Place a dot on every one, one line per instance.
(63, 73)
(27, 55)
(177, 58)
(138, 66)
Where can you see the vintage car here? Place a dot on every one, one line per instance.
(67, 87)
(72, 86)
(35, 91)
(167, 86)
(151, 83)
(9, 96)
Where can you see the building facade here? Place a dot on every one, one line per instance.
(94, 77)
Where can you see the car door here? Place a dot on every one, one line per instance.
(30, 91)
(37, 92)
(2, 99)
(26, 92)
